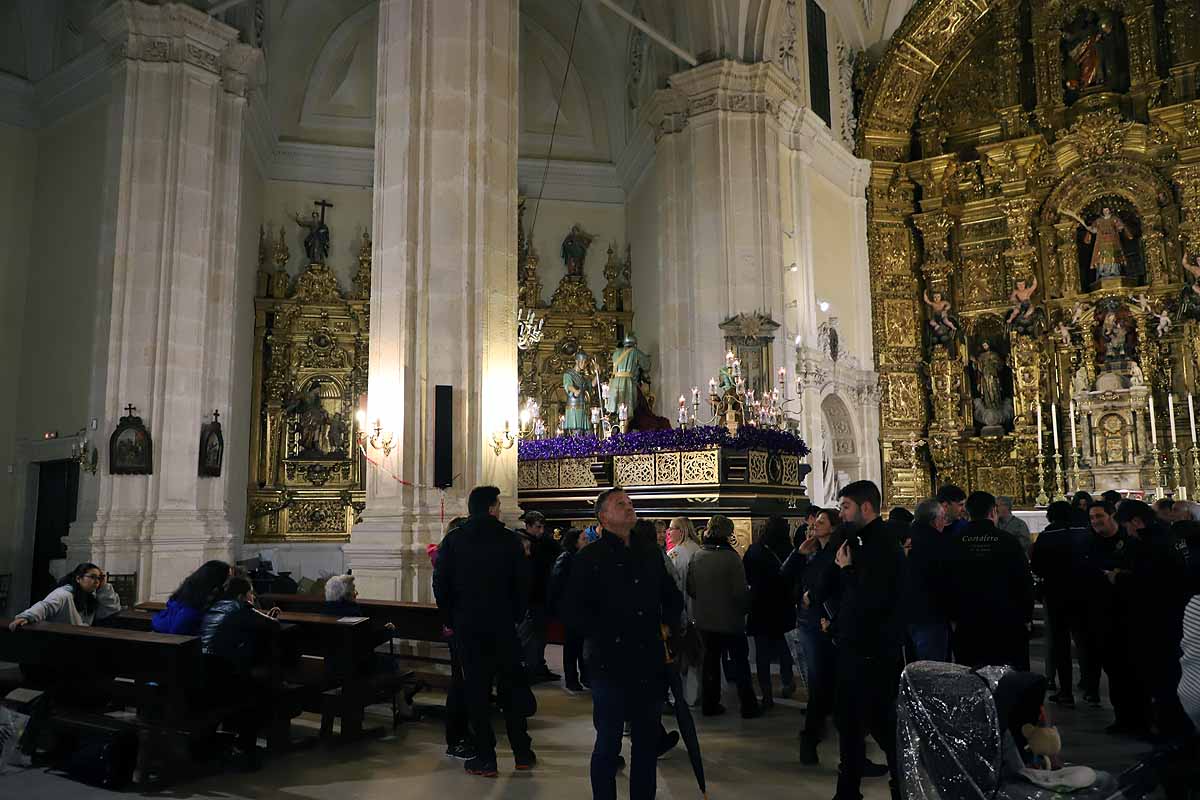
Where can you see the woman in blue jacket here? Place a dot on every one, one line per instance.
(185, 608)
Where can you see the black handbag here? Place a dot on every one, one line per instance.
(97, 752)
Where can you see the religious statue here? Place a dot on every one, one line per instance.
(1064, 334)
(992, 407)
(1189, 298)
(577, 417)
(1108, 257)
(574, 251)
(629, 365)
(1088, 53)
(941, 321)
(1021, 318)
(828, 339)
(1136, 377)
(1079, 383)
(1113, 336)
(312, 421)
(316, 241)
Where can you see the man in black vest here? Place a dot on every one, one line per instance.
(619, 596)
(866, 579)
(481, 582)
(991, 591)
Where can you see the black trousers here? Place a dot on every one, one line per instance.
(865, 703)
(458, 727)
(573, 667)
(1109, 645)
(492, 659)
(1061, 622)
(735, 647)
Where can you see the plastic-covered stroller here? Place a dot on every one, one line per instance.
(955, 730)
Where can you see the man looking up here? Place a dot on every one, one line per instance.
(619, 596)
(868, 630)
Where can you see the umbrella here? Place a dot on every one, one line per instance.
(683, 715)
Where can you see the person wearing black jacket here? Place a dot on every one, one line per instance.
(925, 600)
(481, 583)
(866, 579)
(771, 611)
(1160, 593)
(560, 577)
(1052, 559)
(990, 591)
(619, 596)
(543, 552)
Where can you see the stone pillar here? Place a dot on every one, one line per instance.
(168, 271)
(444, 276)
(718, 167)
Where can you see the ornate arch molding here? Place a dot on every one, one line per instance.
(934, 34)
(1058, 13)
(1132, 180)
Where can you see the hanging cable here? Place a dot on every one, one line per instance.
(554, 128)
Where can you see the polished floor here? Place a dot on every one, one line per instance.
(744, 759)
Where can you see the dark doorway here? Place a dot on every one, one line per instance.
(58, 494)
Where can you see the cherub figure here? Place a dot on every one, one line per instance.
(1077, 314)
(1022, 309)
(1064, 334)
(1143, 303)
(939, 315)
(1164, 322)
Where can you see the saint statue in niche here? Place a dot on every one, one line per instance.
(574, 251)
(1104, 234)
(1092, 53)
(993, 404)
(312, 422)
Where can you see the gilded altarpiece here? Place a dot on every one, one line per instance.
(1034, 227)
(572, 322)
(307, 480)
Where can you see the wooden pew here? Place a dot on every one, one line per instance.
(160, 674)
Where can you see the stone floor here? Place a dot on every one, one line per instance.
(751, 759)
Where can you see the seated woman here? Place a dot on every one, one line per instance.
(186, 606)
(82, 597)
(235, 639)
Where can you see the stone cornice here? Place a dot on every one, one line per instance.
(807, 133)
(734, 87)
(169, 33)
(581, 181)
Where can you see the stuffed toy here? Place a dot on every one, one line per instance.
(1045, 744)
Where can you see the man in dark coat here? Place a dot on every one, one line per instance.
(925, 600)
(990, 589)
(543, 552)
(1104, 571)
(772, 613)
(1052, 558)
(954, 501)
(867, 578)
(619, 596)
(481, 582)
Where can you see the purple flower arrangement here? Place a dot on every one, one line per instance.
(699, 438)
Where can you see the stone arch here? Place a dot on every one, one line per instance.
(842, 460)
(340, 92)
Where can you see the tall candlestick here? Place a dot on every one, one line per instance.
(695, 395)
(1153, 425)
(1039, 423)
(1192, 419)
(1054, 422)
(712, 385)
(1074, 443)
(682, 411)
(1171, 417)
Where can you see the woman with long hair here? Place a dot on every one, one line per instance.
(187, 604)
(771, 611)
(81, 597)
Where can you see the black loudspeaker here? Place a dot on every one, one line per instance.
(443, 436)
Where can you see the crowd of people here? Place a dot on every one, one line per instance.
(845, 599)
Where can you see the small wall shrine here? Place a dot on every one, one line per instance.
(1034, 222)
(310, 371)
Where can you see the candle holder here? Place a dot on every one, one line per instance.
(1177, 474)
(1195, 453)
(1075, 470)
(1159, 479)
(1042, 499)
(1060, 477)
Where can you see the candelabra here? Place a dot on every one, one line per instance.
(1177, 473)
(1043, 499)
(1075, 468)
(1159, 480)
(1195, 453)
(1060, 477)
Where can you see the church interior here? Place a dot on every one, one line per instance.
(285, 279)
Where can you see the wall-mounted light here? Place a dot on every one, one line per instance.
(85, 453)
(793, 267)
(823, 305)
(379, 438)
(503, 440)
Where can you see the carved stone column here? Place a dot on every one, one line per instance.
(1183, 33)
(1021, 254)
(1066, 257)
(1141, 30)
(168, 281)
(444, 274)
(1187, 178)
(1009, 55)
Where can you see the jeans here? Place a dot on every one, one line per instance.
(614, 702)
(737, 669)
(931, 641)
(820, 664)
(766, 650)
(492, 659)
(865, 703)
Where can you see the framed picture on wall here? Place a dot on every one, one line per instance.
(212, 447)
(130, 448)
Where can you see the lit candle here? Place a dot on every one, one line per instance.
(562, 424)
(712, 385)
(782, 375)
(1054, 424)
(1074, 443)
(1039, 422)
(695, 395)
(682, 411)
(1153, 426)
(1171, 417)
(595, 415)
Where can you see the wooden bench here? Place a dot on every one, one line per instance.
(161, 675)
